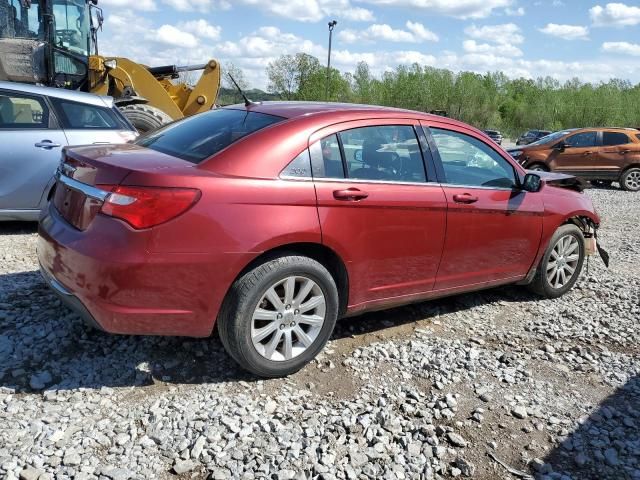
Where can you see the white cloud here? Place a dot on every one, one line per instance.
(615, 15)
(505, 34)
(201, 28)
(622, 47)
(514, 12)
(312, 10)
(567, 32)
(170, 35)
(415, 33)
(420, 32)
(203, 6)
(144, 5)
(358, 14)
(471, 46)
(459, 9)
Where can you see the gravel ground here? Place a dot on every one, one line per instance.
(491, 385)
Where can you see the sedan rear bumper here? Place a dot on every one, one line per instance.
(107, 275)
(69, 299)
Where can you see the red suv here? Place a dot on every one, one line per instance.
(273, 220)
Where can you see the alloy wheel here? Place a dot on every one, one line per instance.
(632, 182)
(288, 318)
(563, 261)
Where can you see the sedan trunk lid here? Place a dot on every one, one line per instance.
(86, 176)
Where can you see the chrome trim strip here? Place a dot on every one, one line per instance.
(88, 190)
(391, 182)
(359, 180)
(451, 185)
(55, 284)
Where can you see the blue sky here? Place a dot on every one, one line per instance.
(591, 40)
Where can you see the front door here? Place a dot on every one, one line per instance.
(30, 150)
(377, 209)
(580, 149)
(493, 228)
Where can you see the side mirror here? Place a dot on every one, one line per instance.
(560, 146)
(531, 183)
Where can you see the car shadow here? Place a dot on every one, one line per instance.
(607, 443)
(46, 346)
(18, 228)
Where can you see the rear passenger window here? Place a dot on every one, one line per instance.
(326, 160)
(78, 116)
(384, 153)
(614, 138)
(18, 111)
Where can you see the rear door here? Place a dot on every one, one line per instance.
(579, 153)
(612, 156)
(31, 146)
(86, 124)
(378, 207)
(493, 228)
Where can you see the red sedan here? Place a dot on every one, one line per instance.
(273, 220)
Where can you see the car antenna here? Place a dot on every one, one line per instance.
(247, 101)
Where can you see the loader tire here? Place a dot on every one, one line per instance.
(145, 118)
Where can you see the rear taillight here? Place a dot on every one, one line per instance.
(145, 207)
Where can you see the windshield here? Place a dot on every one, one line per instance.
(196, 138)
(72, 26)
(550, 138)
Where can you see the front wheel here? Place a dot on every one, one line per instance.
(278, 316)
(630, 180)
(561, 264)
(145, 118)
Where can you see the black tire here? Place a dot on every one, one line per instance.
(145, 118)
(629, 180)
(538, 167)
(540, 283)
(235, 318)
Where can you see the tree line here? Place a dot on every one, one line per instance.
(486, 101)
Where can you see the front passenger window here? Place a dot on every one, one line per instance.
(471, 162)
(581, 140)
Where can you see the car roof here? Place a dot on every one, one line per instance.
(293, 109)
(61, 93)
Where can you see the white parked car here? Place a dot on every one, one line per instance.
(35, 124)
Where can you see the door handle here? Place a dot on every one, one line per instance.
(624, 152)
(588, 152)
(464, 198)
(350, 194)
(48, 144)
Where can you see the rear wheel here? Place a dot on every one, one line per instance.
(630, 180)
(145, 118)
(538, 167)
(561, 264)
(279, 315)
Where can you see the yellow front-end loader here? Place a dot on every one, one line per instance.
(54, 43)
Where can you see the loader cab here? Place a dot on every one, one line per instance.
(45, 41)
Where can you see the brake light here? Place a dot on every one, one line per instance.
(145, 207)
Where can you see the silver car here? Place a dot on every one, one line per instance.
(35, 124)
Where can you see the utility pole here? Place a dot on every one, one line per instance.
(332, 25)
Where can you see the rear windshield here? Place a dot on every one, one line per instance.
(196, 138)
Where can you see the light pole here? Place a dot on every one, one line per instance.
(332, 25)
